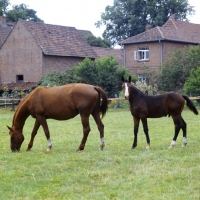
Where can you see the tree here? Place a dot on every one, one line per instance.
(192, 85)
(98, 42)
(176, 69)
(23, 12)
(127, 18)
(3, 6)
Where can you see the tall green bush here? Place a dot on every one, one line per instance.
(192, 85)
(176, 69)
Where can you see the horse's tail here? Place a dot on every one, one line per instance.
(190, 105)
(104, 101)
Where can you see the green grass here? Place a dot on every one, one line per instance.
(118, 172)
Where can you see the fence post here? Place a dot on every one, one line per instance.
(117, 103)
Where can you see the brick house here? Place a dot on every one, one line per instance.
(31, 50)
(151, 48)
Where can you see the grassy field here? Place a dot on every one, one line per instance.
(118, 172)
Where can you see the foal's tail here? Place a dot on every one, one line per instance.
(190, 105)
(103, 101)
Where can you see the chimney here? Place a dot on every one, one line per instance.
(3, 20)
(148, 27)
(173, 16)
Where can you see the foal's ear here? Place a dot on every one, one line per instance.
(129, 79)
(122, 78)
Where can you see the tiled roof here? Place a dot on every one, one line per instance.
(172, 30)
(85, 33)
(103, 52)
(59, 40)
(4, 32)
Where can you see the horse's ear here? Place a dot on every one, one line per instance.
(122, 78)
(129, 79)
(9, 128)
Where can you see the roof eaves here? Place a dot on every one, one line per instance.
(80, 56)
(162, 39)
(146, 41)
(182, 41)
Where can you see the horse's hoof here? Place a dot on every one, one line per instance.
(101, 147)
(183, 145)
(148, 146)
(79, 150)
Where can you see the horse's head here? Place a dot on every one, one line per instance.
(16, 139)
(126, 84)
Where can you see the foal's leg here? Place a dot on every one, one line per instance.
(136, 126)
(33, 134)
(177, 121)
(86, 130)
(100, 126)
(44, 124)
(146, 131)
(184, 129)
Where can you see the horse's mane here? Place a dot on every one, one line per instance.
(19, 106)
(139, 91)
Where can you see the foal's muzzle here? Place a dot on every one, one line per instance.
(126, 97)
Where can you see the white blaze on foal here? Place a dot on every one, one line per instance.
(126, 93)
(102, 144)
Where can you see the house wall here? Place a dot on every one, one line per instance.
(20, 55)
(158, 52)
(58, 63)
(170, 46)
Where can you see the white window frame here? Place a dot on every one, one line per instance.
(143, 78)
(142, 54)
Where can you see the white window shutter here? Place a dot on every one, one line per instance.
(135, 55)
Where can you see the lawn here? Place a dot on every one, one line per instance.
(118, 172)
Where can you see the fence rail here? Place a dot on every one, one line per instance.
(12, 101)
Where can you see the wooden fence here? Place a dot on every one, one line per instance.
(13, 101)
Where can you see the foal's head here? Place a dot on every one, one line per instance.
(126, 86)
(16, 139)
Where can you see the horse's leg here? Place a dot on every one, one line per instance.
(184, 129)
(100, 126)
(86, 130)
(177, 121)
(33, 134)
(146, 131)
(136, 126)
(43, 122)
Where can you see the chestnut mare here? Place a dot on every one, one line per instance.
(143, 106)
(59, 103)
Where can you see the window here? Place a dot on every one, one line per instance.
(143, 78)
(142, 54)
(20, 78)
